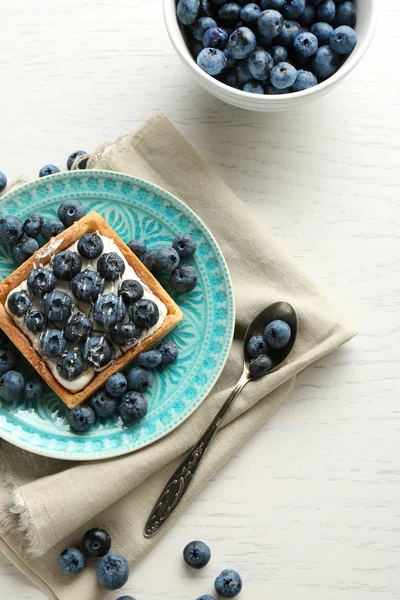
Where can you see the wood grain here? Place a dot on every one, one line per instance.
(310, 507)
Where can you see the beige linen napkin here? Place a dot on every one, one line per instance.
(46, 504)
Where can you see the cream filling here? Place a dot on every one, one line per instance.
(109, 288)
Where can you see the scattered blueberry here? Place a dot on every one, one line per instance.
(325, 62)
(71, 561)
(253, 87)
(326, 11)
(7, 360)
(125, 334)
(48, 170)
(169, 352)
(70, 365)
(52, 343)
(228, 584)
(139, 379)
(200, 26)
(41, 281)
(110, 266)
(113, 569)
(167, 260)
(77, 328)
(103, 406)
(57, 306)
(90, 245)
(126, 598)
(51, 228)
(187, 11)
(197, 554)
(277, 334)
(305, 44)
(131, 290)
(279, 54)
(185, 245)
(149, 359)
(137, 246)
(346, 13)
(71, 211)
(72, 157)
(250, 13)
(116, 385)
(242, 42)
(109, 310)
(12, 385)
(98, 352)
(66, 265)
(283, 75)
(3, 182)
(35, 321)
(87, 285)
(260, 365)
(343, 40)
(184, 278)
(10, 229)
(256, 346)
(97, 542)
(213, 62)
(206, 597)
(133, 407)
(304, 80)
(149, 259)
(33, 225)
(81, 418)
(24, 249)
(19, 303)
(33, 390)
(260, 65)
(323, 32)
(144, 313)
(270, 24)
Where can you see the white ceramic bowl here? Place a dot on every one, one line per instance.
(366, 22)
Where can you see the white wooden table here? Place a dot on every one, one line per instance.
(309, 509)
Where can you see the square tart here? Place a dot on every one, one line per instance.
(91, 223)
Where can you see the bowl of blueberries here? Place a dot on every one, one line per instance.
(270, 55)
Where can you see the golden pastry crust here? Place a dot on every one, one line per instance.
(88, 224)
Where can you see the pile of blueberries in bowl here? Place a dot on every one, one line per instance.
(269, 46)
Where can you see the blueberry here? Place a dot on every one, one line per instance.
(90, 245)
(256, 346)
(228, 584)
(346, 13)
(126, 598)
(70, 365)
(41, 282)
(71, 561)
(35, 321)
(113, 569)
(184, 278)
(131, 290)
(12, 385)
(304, 80)
(290, 31)
(70, 211)
(213, 62)
(109, 310)
(116, 385)
(308, 17)
(81, 418)
(197, 554)
(279, 54)
(33, 225)
(66, 265)
(232, 79)
(215, 37)
(48, 170)
(229, 13)
(139, 379)
(144, 313)
(98, 352)
(260, 65)
(270, 23)
(7, 360)
(206, 597)
(185, 245)
(133, 407)
(199, 28)
(149, 259)
(24, 249)
(72, 157)
(51, 228)
(3, 182)
(125, 334)
(57, 306)
(250, 13)
(323, 32)
(326, 11)
(97, 542)
(167, 260)
(305, 44)
(137, 246)
(103, 406)
(274, 4)
(292, 9)
(187, 11)
(253, 87)
(52, 343)
(33, 390)
(150, 359)
(260, 365)
(77, 328)
(10, 229)
(283, 75)
(207, 8)
(87, 285)
(169, 352)
(242, 72)
(242, 43)
(111, 266)
(277, 334)
(325, 62)
(19, 303)
(343, 40)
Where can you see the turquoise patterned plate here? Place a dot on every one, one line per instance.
(134, 209)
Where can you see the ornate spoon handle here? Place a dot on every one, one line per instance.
(182, 477)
